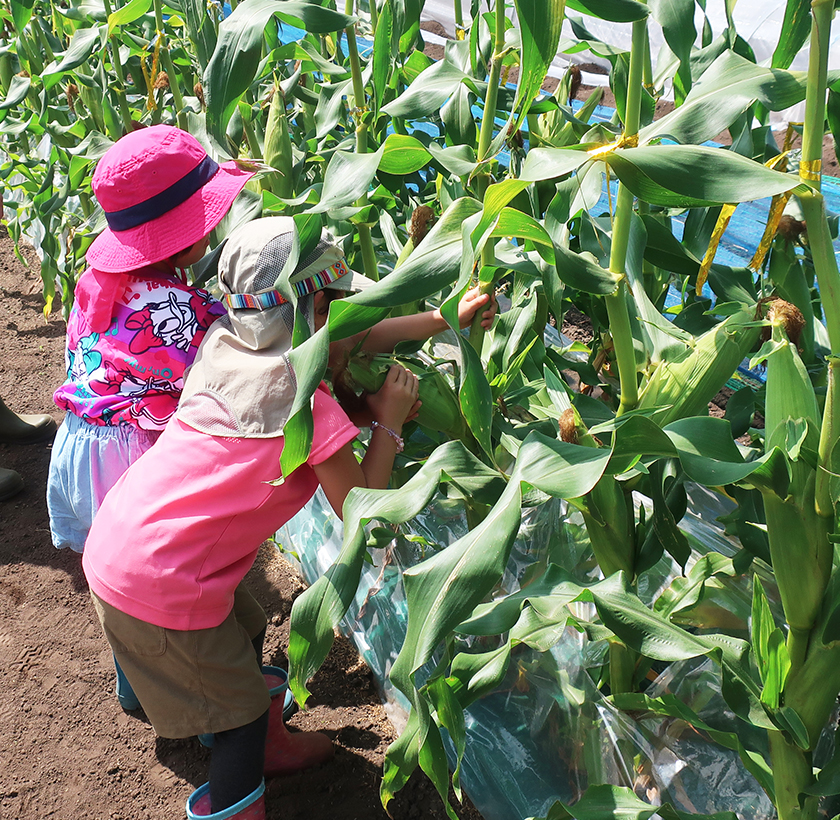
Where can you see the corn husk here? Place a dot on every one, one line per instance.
(440, 409)
(277, 148)
(798, 536)
(685, 387)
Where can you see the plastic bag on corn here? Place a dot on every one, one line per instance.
(547, 727)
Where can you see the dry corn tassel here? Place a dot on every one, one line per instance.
(440, 409)
(799, 545)
(685, 387)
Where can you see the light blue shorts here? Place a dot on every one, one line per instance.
(86, 461)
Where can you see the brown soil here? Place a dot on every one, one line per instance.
(67, 750)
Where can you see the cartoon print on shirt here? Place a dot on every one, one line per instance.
(171, 323)
(134, 372)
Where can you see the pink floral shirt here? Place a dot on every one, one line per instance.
(133, 373)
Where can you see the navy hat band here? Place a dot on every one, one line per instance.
(176, 194)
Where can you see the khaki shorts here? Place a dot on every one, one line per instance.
(195, 681)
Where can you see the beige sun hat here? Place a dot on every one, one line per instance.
(242, 383)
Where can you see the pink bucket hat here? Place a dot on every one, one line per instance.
(161, 193)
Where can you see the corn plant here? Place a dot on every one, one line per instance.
(375, 146)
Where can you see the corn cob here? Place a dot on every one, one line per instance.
(92, 99)
(605, 509)
(687, 386)
(440, 409)
(277, 151)
(798, 536)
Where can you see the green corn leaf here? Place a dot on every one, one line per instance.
(548, 163)
(474, 675)
(400, 760)
(687, 591)
(130, 12)
(695, 176)
(403, 155)
(383, 54)
(677, 20)
(616, 11)
(727, 89)
(234, 62)
(451, 716)
(795, 30)
(429, 91)
(540, 23)
(447, 587)
(432, 760)
(347, 178)
(18, 89)
(317, 612)
(554, 588)
(21, 13)
(664, 250)
(83, 44)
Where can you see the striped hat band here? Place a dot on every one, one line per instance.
(271, 298)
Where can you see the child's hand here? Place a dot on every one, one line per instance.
(472, 303)
(396, 400)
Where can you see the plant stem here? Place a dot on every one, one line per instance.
(622, 666)
(374, 16)
(797, 647)
(251, 139)
(825, 262)
(45, 43)
(488, 119)
(617, 310)
(122, 102)
(459, 20)
(169, 68)
(365, 238)
(814, 125)
(485, 137)
(5, 72)
(792, 774)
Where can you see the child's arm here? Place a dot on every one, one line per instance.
(390, 406)
(383, 336)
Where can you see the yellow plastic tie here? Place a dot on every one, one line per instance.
(811, 170)
(777, 208)
(790, 134)
(601, 150)
(726, 212)
(460, 33)
(624, 141)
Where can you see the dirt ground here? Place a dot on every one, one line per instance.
(67, 749)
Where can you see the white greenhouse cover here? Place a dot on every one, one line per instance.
(757, 21)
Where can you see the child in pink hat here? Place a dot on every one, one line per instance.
(136, 323)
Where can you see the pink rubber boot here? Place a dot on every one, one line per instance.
(251, 807)
(286, 752)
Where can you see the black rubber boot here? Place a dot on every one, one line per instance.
(26, 429)
(10, 483)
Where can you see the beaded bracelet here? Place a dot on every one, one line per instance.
(397, 438)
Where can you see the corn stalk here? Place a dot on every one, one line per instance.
(799, 526)
(617, 302)
(122, 103)
(358, 113)
(485, 137)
